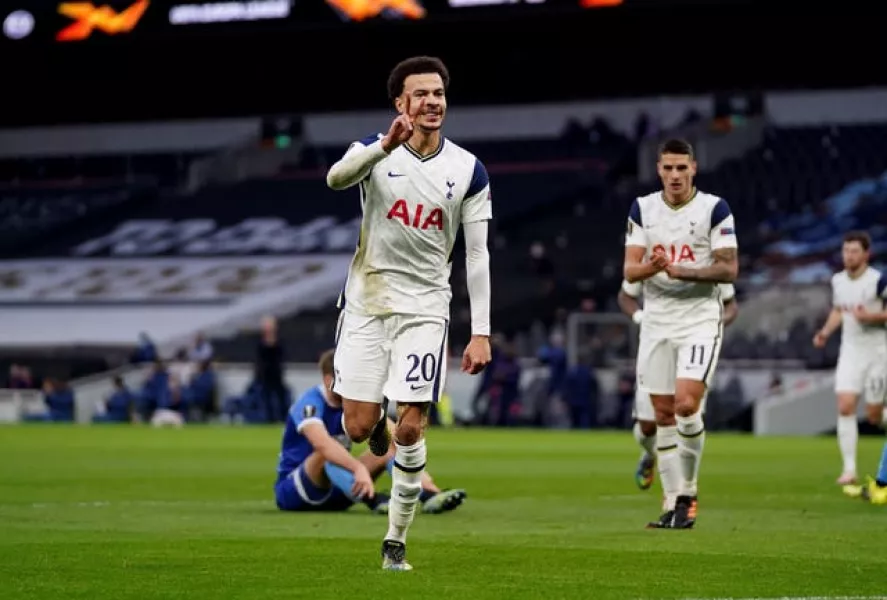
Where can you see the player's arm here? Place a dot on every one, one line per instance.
(477, 276)
(628, 302)
(832, 322)
(724, 251)
(331, 450)
(731, 311)
(357, 163)
(871, 318)
(724, 268)
(635, 268)
(477, 210)
(731, 306)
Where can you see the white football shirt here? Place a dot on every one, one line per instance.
(412, 209)
(868, 290)
(689, 234)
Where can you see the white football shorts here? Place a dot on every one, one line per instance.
(643, 406)
(864, 373)
(401, 357)
(664, 359)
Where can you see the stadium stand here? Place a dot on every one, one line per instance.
(556, 241)
(294, 212)
(554, 237)
(167, 168)
(30, 214)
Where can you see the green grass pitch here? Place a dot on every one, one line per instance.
(134, 513)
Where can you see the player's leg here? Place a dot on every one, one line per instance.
(433, 499)
(877, 488)
(307, 488)
(667, 458)
(656, 368)
(416, 379)
(407, 469)
(849, 384)
(645, 434)
(695, 483)
(342, 481)
(876, 391)
(436, 500)
(697, 361)
(361, 367)
(691, 442)
(848, 435)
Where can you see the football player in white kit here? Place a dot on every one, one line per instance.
(416, 189)
(645, 418)
(858, 295)
(681, 243)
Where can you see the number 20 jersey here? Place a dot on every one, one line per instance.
(689, 234)
(412, 209)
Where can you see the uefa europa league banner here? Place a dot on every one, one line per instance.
(83, 22)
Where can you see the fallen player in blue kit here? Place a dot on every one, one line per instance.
(316, 471)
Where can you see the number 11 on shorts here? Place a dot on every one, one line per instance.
(697, 354)
(696, 361)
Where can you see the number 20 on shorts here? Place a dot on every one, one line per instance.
(421, 368)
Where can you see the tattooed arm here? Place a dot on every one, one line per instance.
(724, 269)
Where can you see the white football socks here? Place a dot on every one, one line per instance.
(848, 437)
(668, 463)
(647, 443)
(691, 441)
(409, 462)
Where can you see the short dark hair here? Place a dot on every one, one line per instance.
(326, 363)
(415, 66)
(864, 239)
(677, 146)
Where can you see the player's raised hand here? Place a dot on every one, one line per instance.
(402, 126)
(477, 355)
(659, 259)
(363, 484)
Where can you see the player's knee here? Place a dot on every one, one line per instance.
(664, 417)
(648, 428)
(874, 414)
(686, 405)
(408, 433)
(358, 429)
(663, 410)
(846, 405)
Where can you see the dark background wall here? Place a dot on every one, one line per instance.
(315, 61)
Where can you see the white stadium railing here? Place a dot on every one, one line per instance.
(15, 404)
